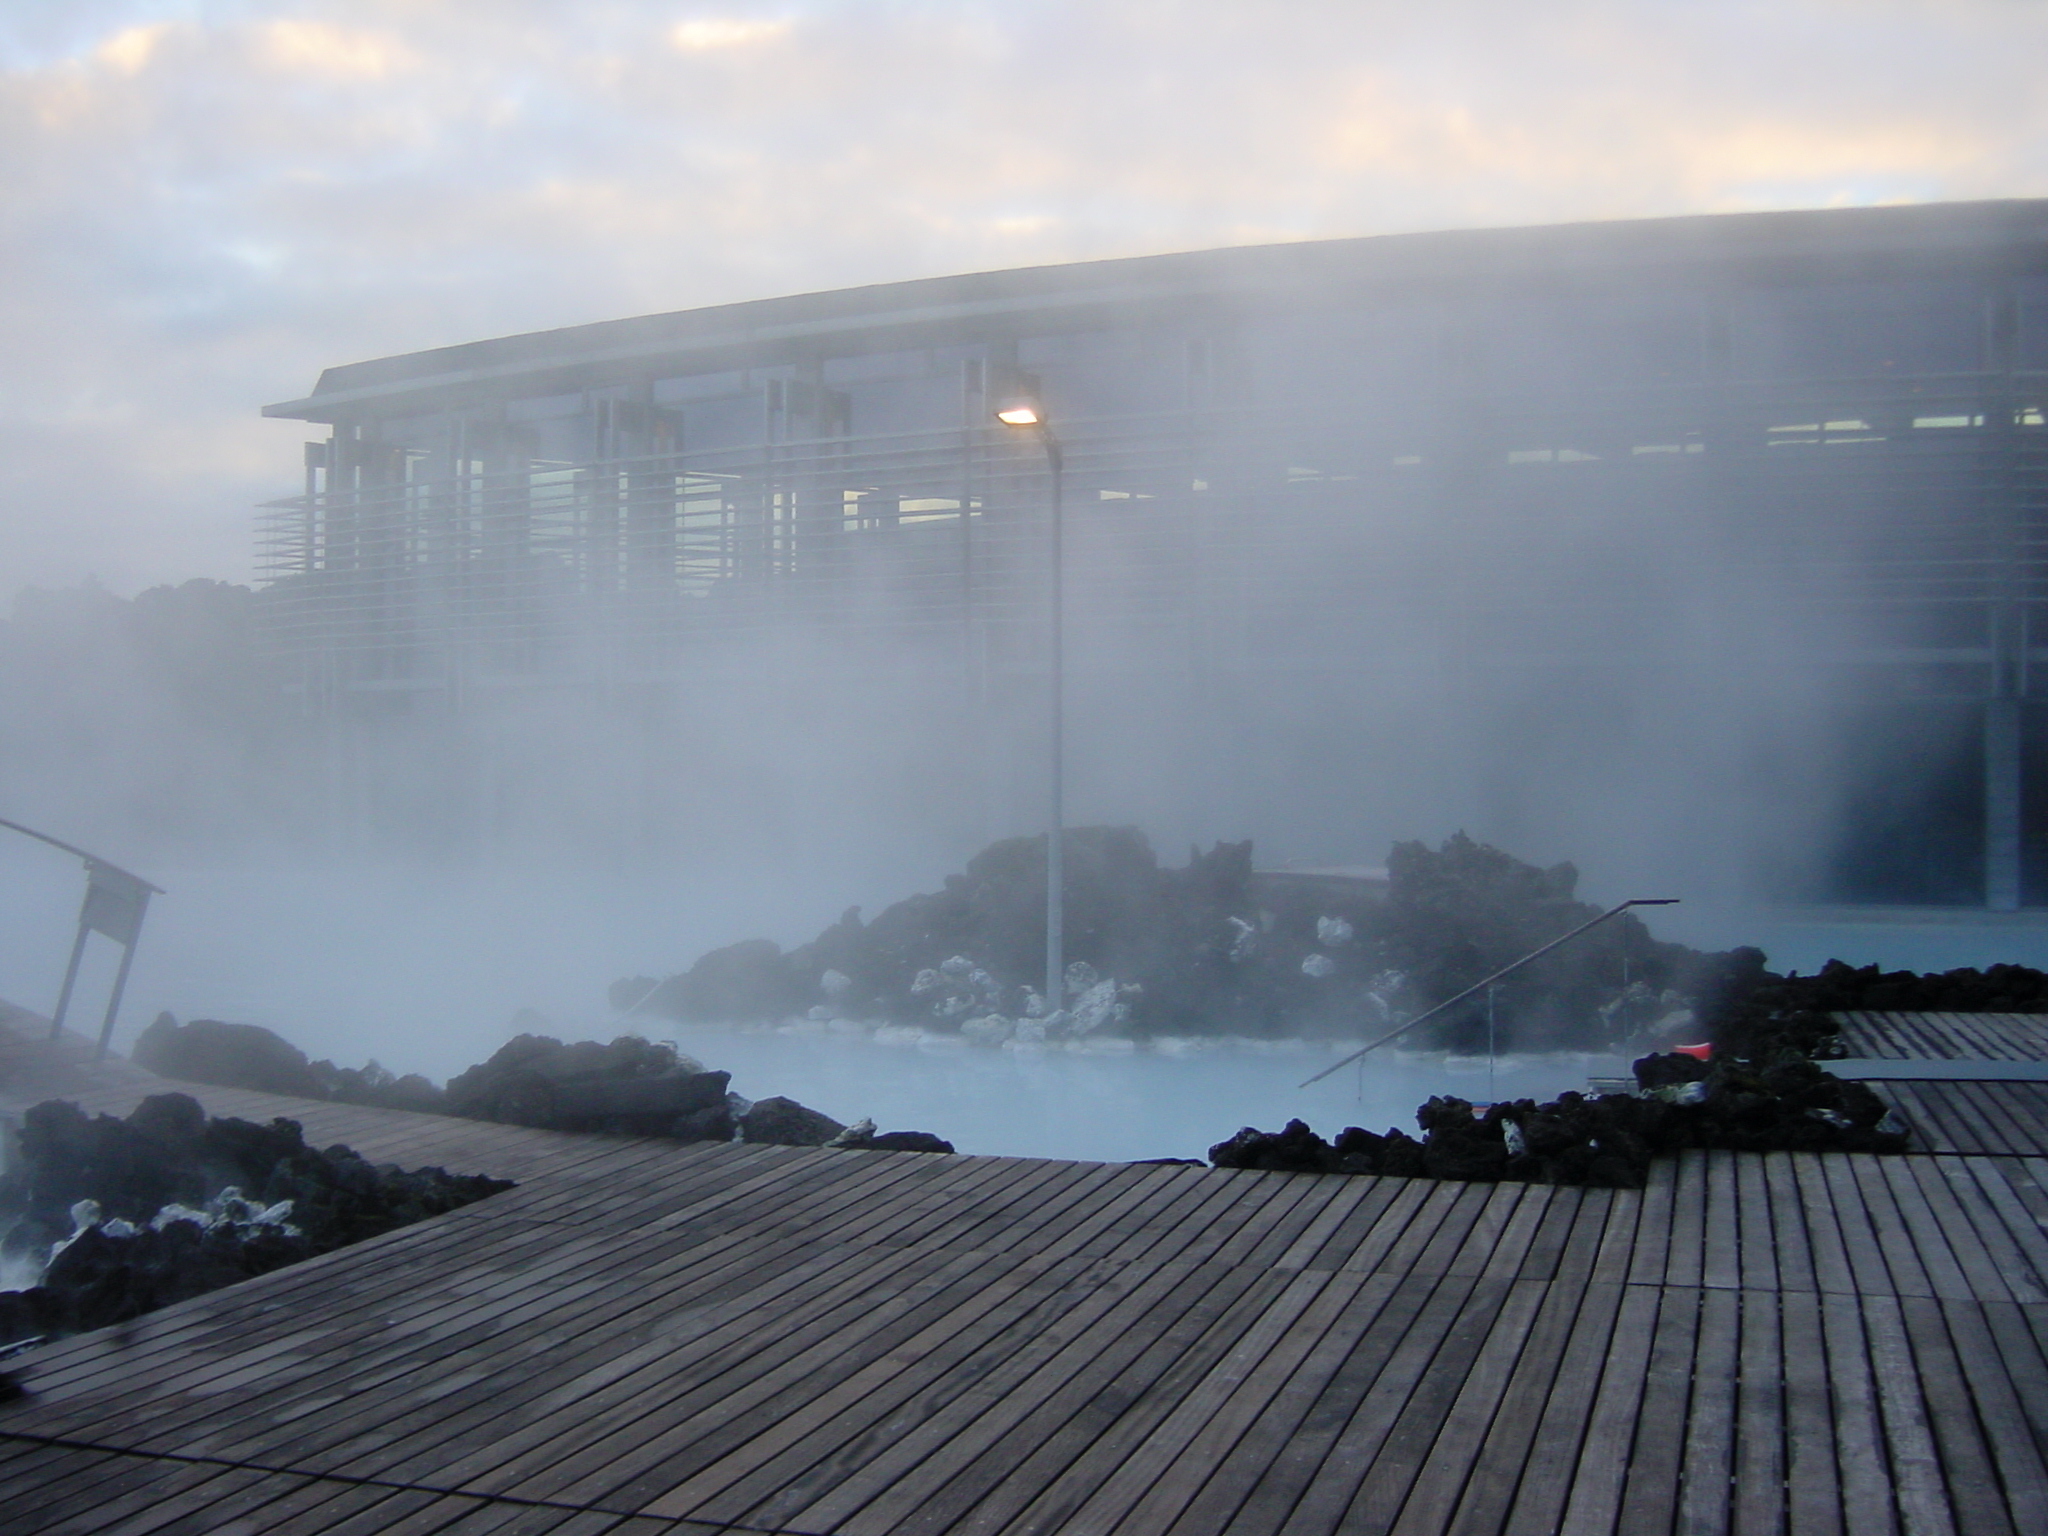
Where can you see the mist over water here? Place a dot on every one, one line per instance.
(1343, 567)
(428, 967)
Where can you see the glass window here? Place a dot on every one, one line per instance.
(1851, 330)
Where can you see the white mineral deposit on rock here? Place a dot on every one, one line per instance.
(1332, 931)
(1246, 944)
(1096, 1008)
(989, 1029)
(1318, 966)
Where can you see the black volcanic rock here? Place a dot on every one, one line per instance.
(783, 1122)
(1210, 949)
(862, 1137)
(250, 1056)
(227, 1055)
(631, 1087)
(168, 1203)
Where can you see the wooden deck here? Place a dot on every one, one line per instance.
(1946, 1036)
(648, 1338)
(1972, 1117)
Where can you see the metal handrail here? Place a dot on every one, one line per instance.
(116, 901)
(1507, 970)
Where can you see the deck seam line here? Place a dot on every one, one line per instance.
(64, 1442)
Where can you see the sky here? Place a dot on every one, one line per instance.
(203, 204)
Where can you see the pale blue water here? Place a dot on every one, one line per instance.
(426, 972)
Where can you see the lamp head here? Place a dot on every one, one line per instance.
(1021, 413)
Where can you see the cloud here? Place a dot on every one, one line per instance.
(203, 206)
(128, 51)
(320, 47)
(711, 34)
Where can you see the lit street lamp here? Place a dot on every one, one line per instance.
(1028, 414)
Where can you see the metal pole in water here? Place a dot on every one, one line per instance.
(1029, 413)
(1491, 994)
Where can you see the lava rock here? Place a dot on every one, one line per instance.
(124, 1216)
(783, 1122)
(631, 1087)
(1295, 1149)
(228, 1055)
(861, 1136)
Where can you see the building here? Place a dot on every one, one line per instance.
(1713, 539)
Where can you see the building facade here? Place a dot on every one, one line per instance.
(1709, 538)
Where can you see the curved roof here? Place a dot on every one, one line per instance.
(1990, 236)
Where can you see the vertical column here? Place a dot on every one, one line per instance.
(2002, 803)
(2002, 764)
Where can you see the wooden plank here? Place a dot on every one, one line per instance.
(1654, 1453)
(1995, 1374)
(1480, 1251)
(680, 1449)
(60, 1369)
(1407, 1397)
(1407, 1308)
(1977, 1118)
(1523, 1473)
(1076, 1458)
(2014, 1243)
(1970, 1234)
(1375, 1196)
(1761, 1243)
(1792, 1243)
(125, 1491)
(1282, 1226)
(1553, 1237)
(1037, 1278)
(1650, 1255)
(933, 1466)
(1461, 1212)
(465, 1303)
(1917, 1485)
(1190, 1480)
(1154, 1482)
(1685, 1255)
(1118, 1384)
(546, 1289)
(373, 1511)
(2026, 1107)
(260, 1503)
(738, 1344)
(1868, 1274)
(2023, 1351)
(1395, 1229)
(1758, 1497)
(1354, 1302)
(1890, 1232)
(1720, 1256)
(1965, 1460)
(1620, 1234)
(1443, 1463)
(1813, 1492)
(1348, 1197)
(1862, 1464)
(1926, 1234)
(1710, 1429)
(1590, 1475)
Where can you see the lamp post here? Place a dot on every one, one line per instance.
(1027, 415)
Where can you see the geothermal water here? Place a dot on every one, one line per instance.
(430, 972)
(1171, 1098)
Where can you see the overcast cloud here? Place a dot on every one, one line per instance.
(201, 205)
